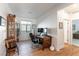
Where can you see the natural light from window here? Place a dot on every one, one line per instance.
(26, 22)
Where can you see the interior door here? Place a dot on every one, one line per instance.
(67, 32)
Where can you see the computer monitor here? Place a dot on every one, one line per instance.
(40, 30)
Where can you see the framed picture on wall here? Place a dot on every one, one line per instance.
(0, 20)
(60, 25)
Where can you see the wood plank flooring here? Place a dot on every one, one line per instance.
(25, 49)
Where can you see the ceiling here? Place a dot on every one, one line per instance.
(31, 10)
(74, 8)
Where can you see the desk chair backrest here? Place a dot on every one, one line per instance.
(32, 36)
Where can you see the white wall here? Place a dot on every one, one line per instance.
(63, 17)
(4, 10)
(18, 19)
(65, 31)
(49, 22)
(75, 16)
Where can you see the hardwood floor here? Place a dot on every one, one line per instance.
(25, 49)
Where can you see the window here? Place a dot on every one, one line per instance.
(26, 26)
(2, 21)
(25, 22)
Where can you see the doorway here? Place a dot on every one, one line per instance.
(67, 31)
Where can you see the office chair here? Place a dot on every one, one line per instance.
(35, 41)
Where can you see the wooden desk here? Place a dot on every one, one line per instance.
(46, 41)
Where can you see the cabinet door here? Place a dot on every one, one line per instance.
(10, 25)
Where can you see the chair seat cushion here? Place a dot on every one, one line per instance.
(35, 41)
